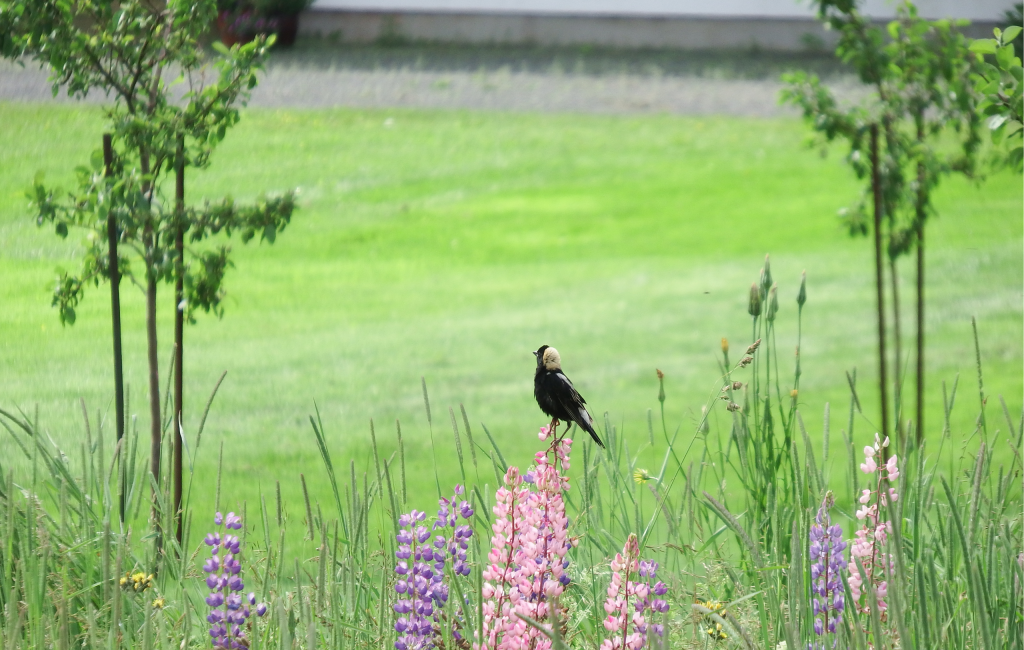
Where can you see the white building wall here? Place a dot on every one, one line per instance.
(785, 25)
(986, 10)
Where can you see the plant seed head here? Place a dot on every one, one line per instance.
(766, 275)
(773, 303)
(754, 306)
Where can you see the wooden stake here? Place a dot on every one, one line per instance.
(179, 327)
(115, 316)
(883, 379)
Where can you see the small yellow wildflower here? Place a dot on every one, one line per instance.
(716, 632)
(158, 603)
(642, 476)
(714, 629)
(793, 393)
(137, 581)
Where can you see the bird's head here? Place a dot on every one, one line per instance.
(548, 357)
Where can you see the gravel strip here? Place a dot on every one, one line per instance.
(305, 80)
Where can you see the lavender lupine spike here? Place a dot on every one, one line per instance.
(229, 608)
(421, 588)
(827, 565)
(656, 588)
(644, 594)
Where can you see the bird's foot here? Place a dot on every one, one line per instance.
(554, 427)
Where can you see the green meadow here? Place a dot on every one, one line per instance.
(448, 245)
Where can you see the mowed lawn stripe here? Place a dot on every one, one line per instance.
(448, 245)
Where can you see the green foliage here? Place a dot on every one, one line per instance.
(125, 49)
(919, 72)
(1015, 16)
(998, 81)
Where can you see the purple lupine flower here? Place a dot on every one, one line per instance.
(421, 587)
(623, 591)
(826, 554)
(229, 609)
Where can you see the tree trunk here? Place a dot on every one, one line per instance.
(115, 318)
(179, 327)
(876, 191)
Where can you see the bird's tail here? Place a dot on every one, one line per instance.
(586, 423)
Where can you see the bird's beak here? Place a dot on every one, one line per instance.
(534, 352)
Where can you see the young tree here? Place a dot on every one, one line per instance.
(130, 50)
(999, 84)
(919, 73)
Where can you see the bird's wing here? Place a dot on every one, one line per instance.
(569, 389)
(573, 404)
(571, 400)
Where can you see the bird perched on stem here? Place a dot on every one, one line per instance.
(556, 396)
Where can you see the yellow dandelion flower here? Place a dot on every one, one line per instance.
(642, 476)
(158, 603)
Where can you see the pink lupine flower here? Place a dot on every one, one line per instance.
(869, 543)
(891, 469)
(630, 631)
(525, 573)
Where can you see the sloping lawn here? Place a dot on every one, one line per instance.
(448, 245)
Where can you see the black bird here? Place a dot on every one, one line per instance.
(556, 395)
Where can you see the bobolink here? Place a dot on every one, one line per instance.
(555, 393)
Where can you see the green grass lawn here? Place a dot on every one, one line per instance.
(448, 245)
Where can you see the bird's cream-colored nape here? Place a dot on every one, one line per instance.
(551, 359)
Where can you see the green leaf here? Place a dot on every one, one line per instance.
(220, 47)
(984, 46)
(1017, 158)
(1011, 33)
(1004, 56)
(270, 233)
(62, 229)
